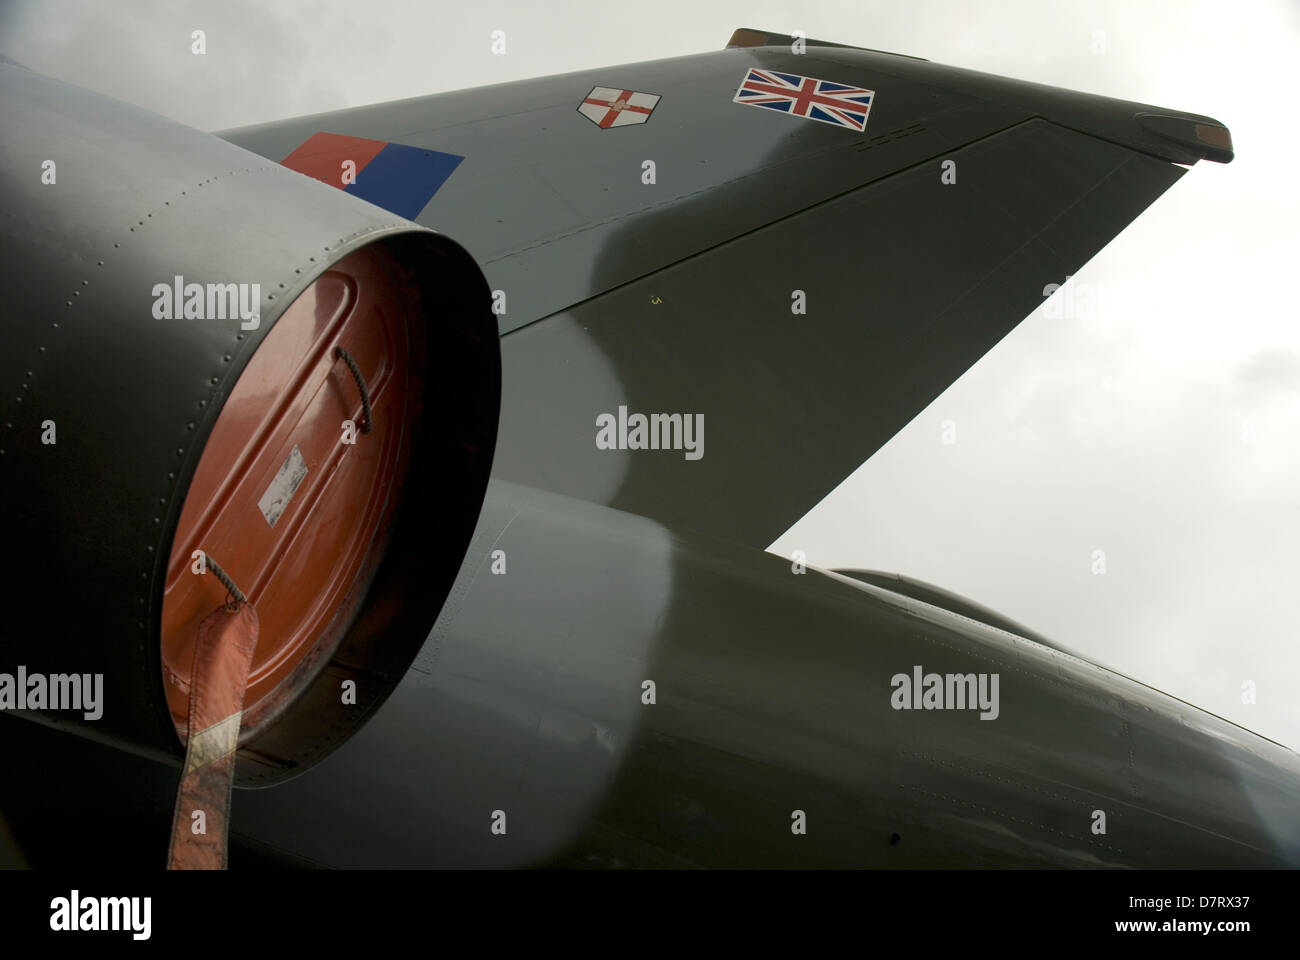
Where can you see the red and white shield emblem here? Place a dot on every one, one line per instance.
(611, 107)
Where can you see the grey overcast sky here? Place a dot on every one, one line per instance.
(1157, 420)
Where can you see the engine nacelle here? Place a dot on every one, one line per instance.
(210, 357)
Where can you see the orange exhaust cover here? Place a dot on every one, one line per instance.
(291, 503)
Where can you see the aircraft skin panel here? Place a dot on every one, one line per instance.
(644, 685)
(541, 185)
(907, 283)
(773, 693)
(676, 293)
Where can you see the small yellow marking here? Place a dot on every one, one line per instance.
(215, 742)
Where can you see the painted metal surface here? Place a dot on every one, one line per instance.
(543, 193)
(907, 282)
(772, 695)
(676, 295)
(113, 377)
(522, 730)
(321, 521)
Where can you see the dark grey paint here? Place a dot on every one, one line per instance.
(543, 192)
(88, 522)
(773, 687)
(676, 297)
(773, 695)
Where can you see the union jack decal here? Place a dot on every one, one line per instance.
(834, 103)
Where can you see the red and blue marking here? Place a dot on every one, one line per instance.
(399, 178)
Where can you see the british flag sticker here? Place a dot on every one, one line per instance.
(610, 107)
(838, 104)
